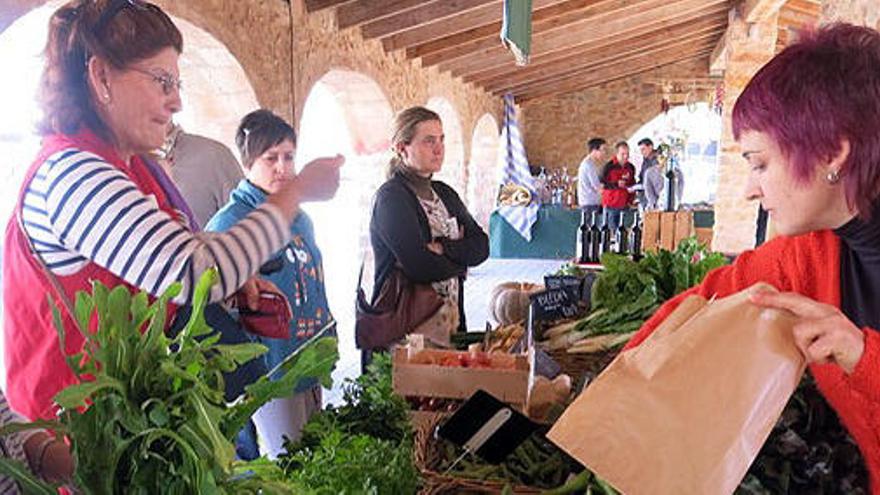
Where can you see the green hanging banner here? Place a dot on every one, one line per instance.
(516, 29)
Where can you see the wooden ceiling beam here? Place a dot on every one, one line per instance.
(544, 19)
(504, 67)
(355, 13)
(486, 21)
(541, 10)
(316, 5)
(629, 58)
(583, 53)
(758, 10)
(611, 73)
(602, 59)
(427, 13)
(593, 30)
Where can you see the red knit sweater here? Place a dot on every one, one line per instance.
(809, 265)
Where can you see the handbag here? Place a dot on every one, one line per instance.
(399, 308)
(272, 317)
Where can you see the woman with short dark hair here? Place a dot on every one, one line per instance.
(808, 124)
(267, 145)
(92, 208)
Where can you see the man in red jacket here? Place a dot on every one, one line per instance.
(617, 177)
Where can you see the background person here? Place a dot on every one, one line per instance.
(808, 124)
(617, 177)
(589, 187)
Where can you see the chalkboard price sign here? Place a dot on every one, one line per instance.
(574, 285)
(554, 304)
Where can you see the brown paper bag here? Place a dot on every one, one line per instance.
(687, 411)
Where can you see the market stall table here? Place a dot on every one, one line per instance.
(554, 235)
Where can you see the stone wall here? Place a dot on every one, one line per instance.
(556, 129)
(751, 46)
(320, 48)
(862, 12)
(283, 63)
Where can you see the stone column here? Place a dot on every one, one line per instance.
(861, 12)
(750, 46)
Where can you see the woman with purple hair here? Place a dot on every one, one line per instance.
(808, 124)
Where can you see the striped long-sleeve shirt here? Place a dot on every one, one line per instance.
(79, 209)
(11, 446)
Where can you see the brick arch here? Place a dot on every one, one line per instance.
(483, 170)
(346, 112)
(366, 109)
(454, 171)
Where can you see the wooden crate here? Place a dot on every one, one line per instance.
(704, 235)
(451, 382)
(665, 229)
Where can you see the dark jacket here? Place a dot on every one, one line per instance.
(399, 233)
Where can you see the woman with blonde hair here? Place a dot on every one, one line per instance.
(421, 227)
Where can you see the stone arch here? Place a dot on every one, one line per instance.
(454, 170)
(483, 170)
(217, 91)
(346, 112)
(699, 164)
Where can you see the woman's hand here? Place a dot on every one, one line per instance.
(317, 181)
(822, 333)
(436, 248)
(252, 288)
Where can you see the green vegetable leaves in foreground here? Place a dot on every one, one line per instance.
(149, 416)
(364, 446)
(627, 292)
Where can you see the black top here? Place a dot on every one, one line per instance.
(860, 271)
(399, 233)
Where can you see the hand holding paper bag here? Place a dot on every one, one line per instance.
(688, 410)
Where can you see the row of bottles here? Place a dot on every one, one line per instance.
(596, 241)
(556, 187)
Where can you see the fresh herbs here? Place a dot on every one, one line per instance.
(149, 415)
(362, 446)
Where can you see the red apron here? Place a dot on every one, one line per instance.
(35, 369)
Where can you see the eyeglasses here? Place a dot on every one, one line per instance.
(113, 9)
(169, 83)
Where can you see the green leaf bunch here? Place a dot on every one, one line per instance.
(149, 416)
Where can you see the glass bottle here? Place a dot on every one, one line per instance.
(595, 239)
(606, 236)
(636, 244)
(585, 239)
(622, 237)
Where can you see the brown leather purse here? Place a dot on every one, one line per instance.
(400, 307)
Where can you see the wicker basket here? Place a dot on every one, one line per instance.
(576, 365)
(426, 456)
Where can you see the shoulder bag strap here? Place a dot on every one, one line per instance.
(53, 280)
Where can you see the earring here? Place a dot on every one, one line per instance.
(833, 177)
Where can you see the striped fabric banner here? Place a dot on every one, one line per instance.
(516, 170)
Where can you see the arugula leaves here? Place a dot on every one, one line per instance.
(149, 415)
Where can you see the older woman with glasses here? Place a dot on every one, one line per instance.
(92, 208)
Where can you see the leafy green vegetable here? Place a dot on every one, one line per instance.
(570, 269)
(149, 416)
(355, 464)
(808, 452)
(362, 446)
(627, 292)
